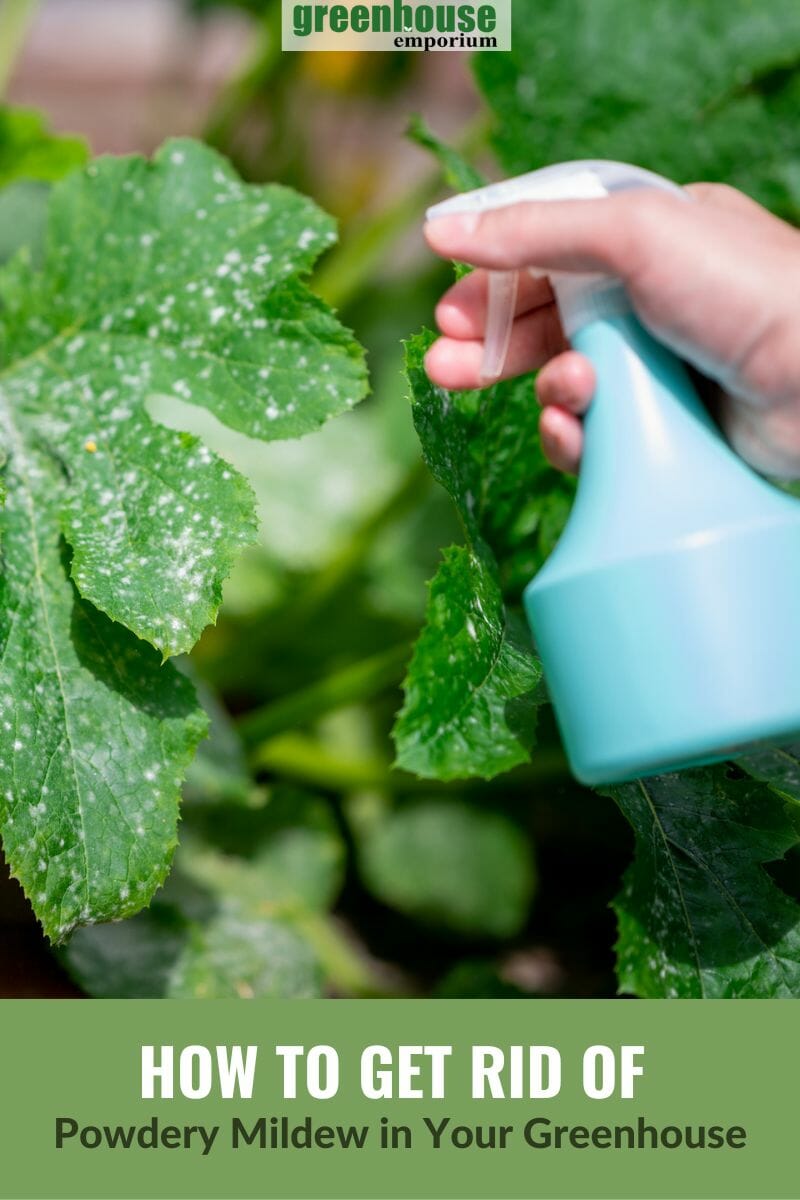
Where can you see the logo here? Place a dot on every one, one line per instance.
(418, 25)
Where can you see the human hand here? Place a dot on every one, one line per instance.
(717, 280)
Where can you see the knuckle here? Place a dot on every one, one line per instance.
(643, 218)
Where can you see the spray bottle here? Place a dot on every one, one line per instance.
(667, 617)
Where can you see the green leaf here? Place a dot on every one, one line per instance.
(189, 290)
(133, 960)
(471, 691)
(287, 856)
(235, 955)
(28, 150)
(579, 82)
(219, 774)
(161, 954)
(483, 447)
(472, 688)
(241, 918)
(460, 175)
(698, 914)
(444, 862)
(777, 766)
(23, 215)
(96, 734)
(163, 276)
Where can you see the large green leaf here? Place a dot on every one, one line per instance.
(472, 686)
(445, 862)
(721, 103)
(698, 914)
(242, 917)
(28, 150)
(163, 276)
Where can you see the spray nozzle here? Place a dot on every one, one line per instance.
(580, 297)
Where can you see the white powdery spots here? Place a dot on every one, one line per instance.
(180, 294)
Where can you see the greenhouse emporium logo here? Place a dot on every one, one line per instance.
(397, 25)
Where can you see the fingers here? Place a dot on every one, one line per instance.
(565, 388)
(577, 235)
(769, 439)
(462, 310)
(455, 364)
(562, 439)
(568, 382)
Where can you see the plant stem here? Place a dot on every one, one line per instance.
(16, 17)
(349, 972)
(359, 681)
(352, 265)
(237, 95)
(305, 760)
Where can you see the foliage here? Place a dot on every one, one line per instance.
(698, 914)
(418, 858)
(694, 91)
(28, 150)
(308, 864)
(170, 276)
(235, 919)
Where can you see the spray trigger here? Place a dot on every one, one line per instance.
(502, 302)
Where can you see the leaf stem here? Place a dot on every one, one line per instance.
(16, 17)
(358, 681)
(306, 760)
(348, 971)
(353, 264)
(243, 89)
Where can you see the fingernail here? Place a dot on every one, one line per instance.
(453, 227)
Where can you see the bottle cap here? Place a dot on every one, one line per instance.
(581, 297)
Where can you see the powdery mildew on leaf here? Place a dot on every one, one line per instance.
(698, 914)
(471, 689)
(163, 276)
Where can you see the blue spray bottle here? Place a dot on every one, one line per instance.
(668, 616)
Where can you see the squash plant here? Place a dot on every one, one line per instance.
(698, 915)
(442, 842)
(170, 276)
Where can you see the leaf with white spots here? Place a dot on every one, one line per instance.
(472, 689)
(95, 733)
(163, 276)
(167, 276)
(471, 692)
(699, 916)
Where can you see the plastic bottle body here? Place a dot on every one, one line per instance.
(668, 616)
